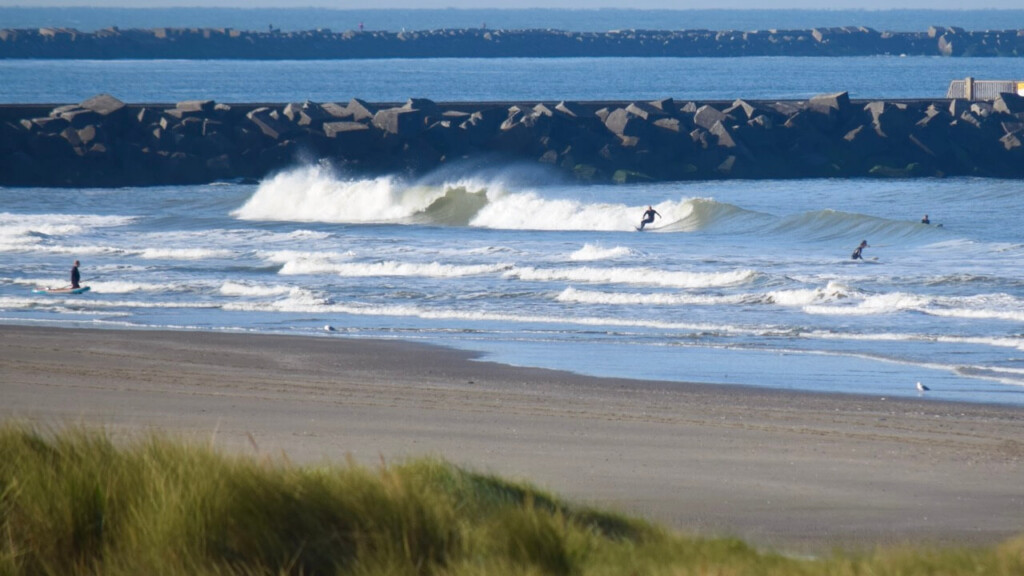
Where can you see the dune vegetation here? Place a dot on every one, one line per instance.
(76, 502)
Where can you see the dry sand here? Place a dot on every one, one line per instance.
(791, 471)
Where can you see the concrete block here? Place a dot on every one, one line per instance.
(706, 116)
(399, 121)
(104, 105)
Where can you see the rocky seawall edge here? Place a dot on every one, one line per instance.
(105, 142)
(227, 43)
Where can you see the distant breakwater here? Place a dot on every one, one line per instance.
(227, 43)
(105, 142)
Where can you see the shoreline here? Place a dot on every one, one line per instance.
(795, 471)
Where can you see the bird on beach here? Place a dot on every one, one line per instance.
(922, 387)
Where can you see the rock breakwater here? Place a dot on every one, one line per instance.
(105, 142)
(227, 43)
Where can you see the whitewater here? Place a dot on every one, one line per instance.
(738, 283)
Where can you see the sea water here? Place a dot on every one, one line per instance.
(738, 282)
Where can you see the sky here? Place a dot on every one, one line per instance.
(521, 4)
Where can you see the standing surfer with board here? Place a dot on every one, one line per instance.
(75, 288)
(648, 217)
(76, 277)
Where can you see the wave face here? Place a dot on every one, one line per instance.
(736, 282)
(318, 194)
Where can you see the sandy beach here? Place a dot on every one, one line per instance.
(792, 471)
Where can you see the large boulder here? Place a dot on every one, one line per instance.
(360, 110)
(482, 125)
(271, 123)
(81, 117)
(427, 107)
(336, 111)
(623, 122)
(196, 106)
(706, 116)
(1009, 103)
(406, 122)
(889, 119)
(572, 109)
(308, 114)
(104, 105)
(334, 129)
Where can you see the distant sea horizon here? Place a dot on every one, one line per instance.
(88, 19)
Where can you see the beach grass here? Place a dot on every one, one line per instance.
(74, 501)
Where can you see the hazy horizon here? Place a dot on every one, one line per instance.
(866, 5)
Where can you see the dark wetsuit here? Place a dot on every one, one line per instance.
(648, 218)
(856, 253)
(75, 277)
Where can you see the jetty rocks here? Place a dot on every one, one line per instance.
(105, 142)
(227, 43)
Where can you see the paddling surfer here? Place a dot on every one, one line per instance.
(856, 253)
(76, 277)
(648, 217)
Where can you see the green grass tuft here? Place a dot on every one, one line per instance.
(72, 502)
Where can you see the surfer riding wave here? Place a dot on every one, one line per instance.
(648, 217)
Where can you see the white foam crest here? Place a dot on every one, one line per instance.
(309, 266)
(875, 305)
(118, 287)
(309, 235)
(803, 297)
(297, 300)
(56, 224)
(792, 298)
(296, 262)
(571, 294)
(530, 211)
(1011, 315)
(315, 194)
(240, 289)
(641, 276)
(431, 269)
(590, 252)
(184, 253)
(38, 232)
(17, 302)
(285, 256)
(79, 250)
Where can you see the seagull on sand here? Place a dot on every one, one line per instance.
(922, 387)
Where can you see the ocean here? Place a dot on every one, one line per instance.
(738, 283)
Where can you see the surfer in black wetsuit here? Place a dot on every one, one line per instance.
(856, 253)
(925, 220)
(75, 276)
(649, 215)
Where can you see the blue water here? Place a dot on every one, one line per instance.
(739, 283)
(504, 79)
(600, 20)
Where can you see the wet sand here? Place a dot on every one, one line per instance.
(791, 471)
